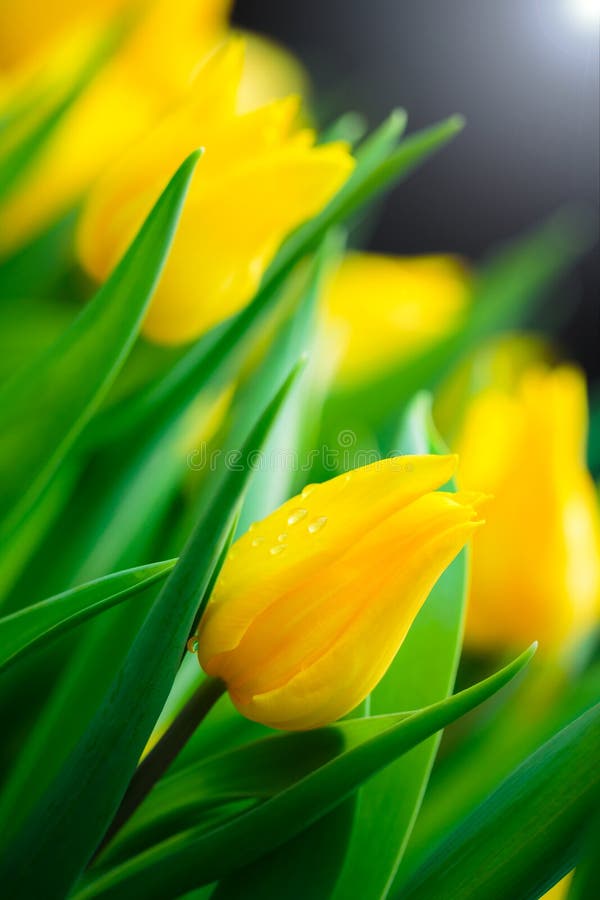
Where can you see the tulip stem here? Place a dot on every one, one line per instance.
(155, 764)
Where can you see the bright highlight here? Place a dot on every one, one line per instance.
(587, 11)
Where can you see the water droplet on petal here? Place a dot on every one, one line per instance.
(317, 524)
(192, 644)
(279, 548)
(257, 541)
(307, 491)
(295, 516)
(282, 538)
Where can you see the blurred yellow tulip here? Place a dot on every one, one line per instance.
(536, 565)
(28, 28)
(259, 178)
(313, 602)
(499, 362)
(270, 73)
(384, 309)
(152, 69)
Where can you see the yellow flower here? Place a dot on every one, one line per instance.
(259, 178)
(29, 27)
(313, 602)
(150, 72)
(270, 72)
(384, 309)
(536, 565)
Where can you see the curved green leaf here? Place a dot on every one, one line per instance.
(44, 408)
(196, 857)
(526, 836)
(24, 630)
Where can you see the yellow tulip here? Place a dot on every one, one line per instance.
(152, 70)
(259, 178)
(385, 309)
(313, 602)
(536, 565)
(29, 27)
(270, 72)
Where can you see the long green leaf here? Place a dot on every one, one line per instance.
(541, 704)
(24, 630)
(254, 771)
(65, 828)
(197, 857)
(526, 836)
(43, 409)
(422, 673)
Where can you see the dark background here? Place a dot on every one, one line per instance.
(525, 73)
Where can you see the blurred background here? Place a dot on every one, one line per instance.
(524, 73)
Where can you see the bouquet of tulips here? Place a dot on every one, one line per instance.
(275, 512)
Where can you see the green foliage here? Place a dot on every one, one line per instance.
(526, 836)
(95, 484)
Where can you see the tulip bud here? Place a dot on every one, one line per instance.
(313, 602)
(536, 565)
(259, 178)
(151, 71)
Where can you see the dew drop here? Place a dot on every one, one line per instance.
(307, 491)
(296, 515)
(192, 644)
(282, 538)
(257, 541)
(279, 548)
(317, 524)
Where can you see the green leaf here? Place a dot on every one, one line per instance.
(423, 672)
(44, 408)
(62, 832)
(505, 294)
(17, 550)
(196, 856)
(584, 885)
(540, 705)
(21, 632)
(33, 270)
(526, 836)
(254, 771)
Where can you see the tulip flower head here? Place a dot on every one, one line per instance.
(259, 178)
(384, 309)
(313, 602)
(536, 565)
(151, 70)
